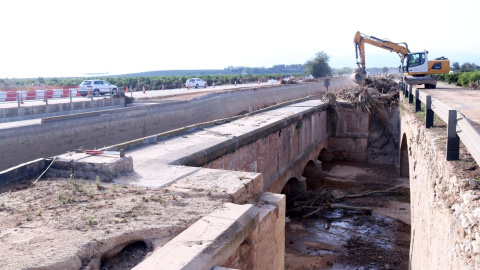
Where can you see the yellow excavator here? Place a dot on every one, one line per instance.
(416, 67)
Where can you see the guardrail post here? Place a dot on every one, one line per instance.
(453, 141)
(428, 112)
(418, 103)
(403, 88)
(399, 86)
(18, 99)
(410, 94)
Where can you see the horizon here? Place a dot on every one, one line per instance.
(51, 39)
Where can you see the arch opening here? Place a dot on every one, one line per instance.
(404, 158)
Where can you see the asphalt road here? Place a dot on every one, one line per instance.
(137, 95)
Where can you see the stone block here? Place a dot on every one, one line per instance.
(85, 166)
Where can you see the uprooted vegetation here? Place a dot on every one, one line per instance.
(377, 96)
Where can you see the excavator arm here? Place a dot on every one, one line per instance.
(360, 40)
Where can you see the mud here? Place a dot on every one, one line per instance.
(340, 239)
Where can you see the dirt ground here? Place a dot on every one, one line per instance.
(343, 239)
(55, 218)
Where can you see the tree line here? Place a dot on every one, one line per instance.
(317, 66)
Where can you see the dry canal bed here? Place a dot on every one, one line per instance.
(349, 239)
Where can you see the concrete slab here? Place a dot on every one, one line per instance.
(80, 165)
(208, 242)
(158, 165)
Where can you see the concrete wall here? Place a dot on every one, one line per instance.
(264, 247)
(238, 236)
(445, 211)
(55, 109)
(96, 130)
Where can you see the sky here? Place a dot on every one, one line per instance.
(76, 37)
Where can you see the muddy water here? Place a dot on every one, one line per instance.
(340, 239)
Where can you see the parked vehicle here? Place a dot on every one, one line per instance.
(96, 87)
(196, 82)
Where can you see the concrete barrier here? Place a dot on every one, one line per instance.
(121, 125)
(11, 96)
(27, 170)
(40, 94)
(57, 93)
(31, 95)
(3, 95)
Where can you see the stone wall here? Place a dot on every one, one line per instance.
(236, 236)
(264, 248)
(358, 136)
(96, 130)
(283, 152)
(445, 209)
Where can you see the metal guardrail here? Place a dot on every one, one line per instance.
(465, 131)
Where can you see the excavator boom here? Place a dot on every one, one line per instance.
(360, 39)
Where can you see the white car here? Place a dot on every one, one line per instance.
(196, 82)
(96, 87)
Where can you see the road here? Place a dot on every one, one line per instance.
(137, 95)
(466, 101)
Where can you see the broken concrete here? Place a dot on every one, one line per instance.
(80, 165)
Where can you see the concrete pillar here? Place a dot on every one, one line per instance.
(453, 141)
(418, 103)
(410, 94)
(428, 112)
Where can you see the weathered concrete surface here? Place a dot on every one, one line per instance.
(80, 165)
(35, 140)
(29, 169)
(264, 248)
(445, 211)
(208, 242)
(272, 142)
(27, 111)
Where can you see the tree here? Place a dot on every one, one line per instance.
(318, 66)
(384, 69)
(466, 67)
(455, 66)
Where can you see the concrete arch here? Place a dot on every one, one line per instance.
(404, 158)
(294, 186)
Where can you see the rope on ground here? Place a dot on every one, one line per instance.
(55, 158)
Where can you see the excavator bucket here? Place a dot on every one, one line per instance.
(358, 76)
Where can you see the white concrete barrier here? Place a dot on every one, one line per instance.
(2, 96)
(40, 94)
(57, 93)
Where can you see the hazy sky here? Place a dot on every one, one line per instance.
(70, 37)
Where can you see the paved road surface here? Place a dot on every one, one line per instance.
(464, 100)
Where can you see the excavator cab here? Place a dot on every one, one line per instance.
(416, 63)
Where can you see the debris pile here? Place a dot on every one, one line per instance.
(377, 96)
(314, 201)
